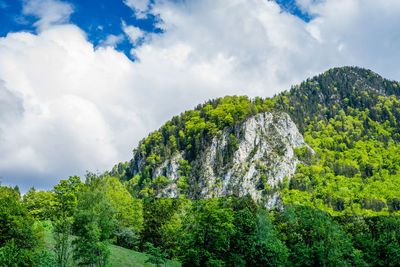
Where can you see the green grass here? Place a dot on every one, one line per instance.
(119, 256)
(125, 257)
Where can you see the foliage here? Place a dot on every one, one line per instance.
(40, 204)
(315, 239)
(208, 228)
(266, 248)
(349, 116)
(127, 238)
(66, 195)
(65, 202)
(129, 211)
(61, 233)
(44, 259)
(162, 223)
(94, 224)
(341, 207)
(18, 235)
(155, 254)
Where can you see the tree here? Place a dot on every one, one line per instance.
(127, 238)
(207, 231)
(18, 236)
(129, 211)
(40, 204)
(266, 248)
(314, 239)
(241, 241)
(155, 255)
(65, 194)
(162, 222)
(94, 223)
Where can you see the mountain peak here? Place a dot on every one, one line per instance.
(299, 145)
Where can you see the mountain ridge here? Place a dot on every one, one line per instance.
(361, 101)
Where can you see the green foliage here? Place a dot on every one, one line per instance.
(65, 202)
(40, 204)
(162, 222)
(13, 256)
(129, 211)
(341, 206)
(155, 254)
(127, 238)
(314, 238)
(241, 240)
(61, 234)
(266, 248)
(353, 128)
(16, 223)
(184, 172)
(208, 228)
(66, 196)
(94, 224)
(18, 235)
(44, 259)
(377, 237)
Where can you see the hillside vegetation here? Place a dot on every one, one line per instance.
(349, 116)
(333, 141)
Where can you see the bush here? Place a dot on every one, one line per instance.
(127, 238)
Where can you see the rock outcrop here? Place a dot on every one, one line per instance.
(263, 160)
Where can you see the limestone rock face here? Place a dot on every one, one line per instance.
(263, 159)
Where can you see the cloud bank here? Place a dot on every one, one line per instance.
(66, 107)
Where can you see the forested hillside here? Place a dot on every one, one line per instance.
(349, 116)
(309, 177)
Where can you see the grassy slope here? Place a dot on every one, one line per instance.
(119, 256)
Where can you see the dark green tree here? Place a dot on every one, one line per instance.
(155, 255)
(207, 231)
(94, 224)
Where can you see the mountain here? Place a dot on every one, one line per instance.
(331, 142)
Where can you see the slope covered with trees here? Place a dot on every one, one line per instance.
(340, 208)
(349, 116)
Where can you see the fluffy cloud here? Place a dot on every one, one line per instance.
(66, 107)
(70, 108)
(364, 33)
(133, 33)
(49, 12)
(141, 7)
(112, 40)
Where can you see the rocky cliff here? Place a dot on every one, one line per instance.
(262, 160)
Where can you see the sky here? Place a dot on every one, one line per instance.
(81, 82)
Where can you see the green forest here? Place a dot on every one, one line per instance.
(84, 219)
(341, 207)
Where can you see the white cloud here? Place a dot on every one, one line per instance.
(133, 33)
(49, 12)
(141, 7)
(74, 108)
(112, 40)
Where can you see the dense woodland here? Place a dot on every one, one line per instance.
(84, 218)
(340, 209)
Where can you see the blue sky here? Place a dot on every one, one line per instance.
(81, 82)
(98, 19)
